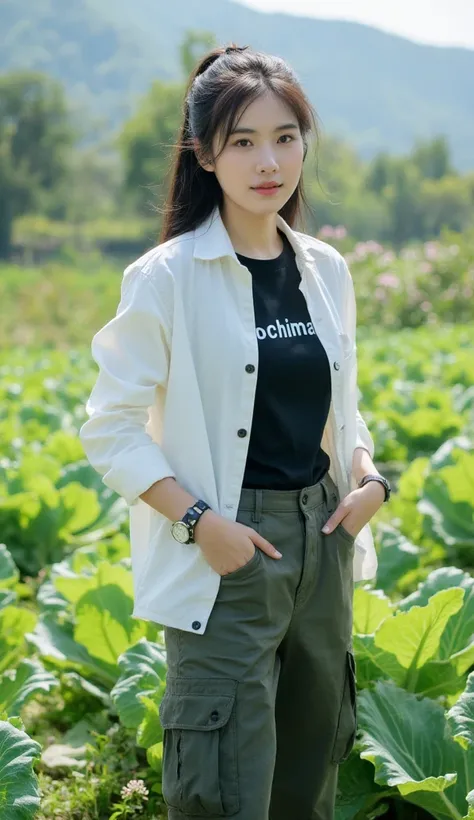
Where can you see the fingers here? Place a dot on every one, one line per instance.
(335, 519)
(263, 544)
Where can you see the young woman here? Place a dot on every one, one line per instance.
(225, 413)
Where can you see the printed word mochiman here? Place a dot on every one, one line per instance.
(286, 330)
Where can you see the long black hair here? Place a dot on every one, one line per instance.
(223, 82)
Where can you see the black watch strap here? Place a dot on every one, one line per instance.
(379, 478)
(192, 516)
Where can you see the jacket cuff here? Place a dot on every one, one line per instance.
(135, 471)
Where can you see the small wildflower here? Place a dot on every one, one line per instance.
(388, 280)
(374, 247)
(134, 787)
(332, 232)
(431, 250)
(386, 258)
(450, 293)
(425, 267)
(326, 231)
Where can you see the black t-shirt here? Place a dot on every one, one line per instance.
(293, 390)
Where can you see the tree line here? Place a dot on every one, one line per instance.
(45, 168)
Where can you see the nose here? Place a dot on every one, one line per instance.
(267, 161)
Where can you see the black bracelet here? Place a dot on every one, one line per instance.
(381, 479)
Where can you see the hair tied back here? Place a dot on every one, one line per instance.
(230, 49)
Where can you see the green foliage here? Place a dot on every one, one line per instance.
(50, 497)
(87, 678)
(195, 45)
(19, 792)
(90, 625)
(20, 685)
(147, 142)
(425, 643)
(108, 53)
(34, 138)
(134, 80)
(15, 622)
(407, 741)
(143, 672)
(426, 286)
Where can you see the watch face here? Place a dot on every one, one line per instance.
(180, 532)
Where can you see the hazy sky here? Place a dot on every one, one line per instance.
(441, 22)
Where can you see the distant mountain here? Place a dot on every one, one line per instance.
(379, 91)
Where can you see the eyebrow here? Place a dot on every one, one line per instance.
(242, 130)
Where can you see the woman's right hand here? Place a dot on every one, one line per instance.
(228, 545)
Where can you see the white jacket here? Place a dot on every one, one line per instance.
(172, 392)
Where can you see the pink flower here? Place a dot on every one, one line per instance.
(360, 251)
(388, 280)
(326, 231)
(426, 306)
(373, 247)
(425, 267)
(431, 250)
(450, 293)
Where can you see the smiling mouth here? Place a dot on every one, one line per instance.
(266, 187)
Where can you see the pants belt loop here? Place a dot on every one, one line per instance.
(257, 512)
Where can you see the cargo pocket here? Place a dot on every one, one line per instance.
(347, 722)
(199, 774)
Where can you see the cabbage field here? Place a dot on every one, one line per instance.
(81, 681)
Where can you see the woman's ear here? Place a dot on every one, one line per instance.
(206, 165)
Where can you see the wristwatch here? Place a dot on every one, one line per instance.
(183, 530)
(377, 477)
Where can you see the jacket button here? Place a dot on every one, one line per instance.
(214, 716)
(250, 368)
(242, 433)
(196, 624)
(336, 365)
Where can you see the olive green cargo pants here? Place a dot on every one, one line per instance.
(259, 710)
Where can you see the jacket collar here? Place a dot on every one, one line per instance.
(211, 239)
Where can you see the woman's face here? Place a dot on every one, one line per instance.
(262, 151)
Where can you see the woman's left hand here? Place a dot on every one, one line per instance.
(357, 508)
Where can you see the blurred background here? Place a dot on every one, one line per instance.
(90, 102)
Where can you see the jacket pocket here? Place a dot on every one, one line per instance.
(347, 722)
(199, 774)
